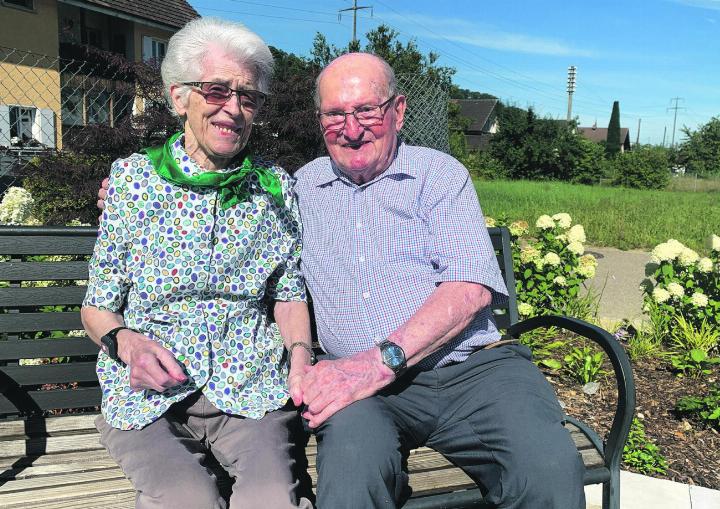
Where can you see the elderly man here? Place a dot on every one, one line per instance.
(402, 275)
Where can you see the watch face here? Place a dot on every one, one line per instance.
(393, 356)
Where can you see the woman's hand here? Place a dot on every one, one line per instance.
(299, 359)
(102, 193)
(151, 365)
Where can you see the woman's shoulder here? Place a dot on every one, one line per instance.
(135, 163)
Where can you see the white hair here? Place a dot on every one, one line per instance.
(187, 49)
(390, 81)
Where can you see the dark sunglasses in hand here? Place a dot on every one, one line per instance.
(217, 93)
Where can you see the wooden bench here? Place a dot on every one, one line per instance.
(50, 456)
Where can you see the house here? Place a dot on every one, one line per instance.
(599, 135)
(44, 91)
(483, 116)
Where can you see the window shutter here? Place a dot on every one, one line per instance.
(44, 128)
(4, 125)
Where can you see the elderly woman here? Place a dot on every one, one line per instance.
(195, 238)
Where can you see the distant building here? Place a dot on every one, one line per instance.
(40, 96)
(599, 135)
(483, 114)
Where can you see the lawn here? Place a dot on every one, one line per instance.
(616, 217)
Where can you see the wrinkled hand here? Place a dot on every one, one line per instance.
(102, 193)
(151, 365)
(331, 385)
(299, 361)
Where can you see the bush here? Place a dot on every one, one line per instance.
(484, 166)
(551, 267)
(643, 168)
(705, 409)
(681, 282)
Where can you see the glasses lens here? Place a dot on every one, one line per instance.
(216, 93)
(369, 115)
(250, 99)
(332, 120)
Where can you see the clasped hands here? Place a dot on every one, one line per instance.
(331, 385)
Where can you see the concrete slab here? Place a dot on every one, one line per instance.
(704, 498)
(617, 281)
(643, 492)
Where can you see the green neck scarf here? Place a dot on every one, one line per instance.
(229, 185)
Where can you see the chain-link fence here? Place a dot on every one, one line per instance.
(426, 117)
(46, 102)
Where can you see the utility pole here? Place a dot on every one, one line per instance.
(664, 133)
(572, 70)
(354, 8)
(637, 139)
(676, 108)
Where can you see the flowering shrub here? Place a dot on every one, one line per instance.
(550, 267)
(16, 206)
(683, 283)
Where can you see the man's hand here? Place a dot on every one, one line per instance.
(330, 386)
(151, 365)
(102, 193)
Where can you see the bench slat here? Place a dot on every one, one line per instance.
(34, 322)
(77, 486)
(50, 296)
(120, 500)
(52, 373)
(44, 348)
(43, 271)
(80, 241)
(83, 397)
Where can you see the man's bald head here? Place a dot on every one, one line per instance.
(386, 83)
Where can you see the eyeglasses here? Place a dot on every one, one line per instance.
(366, 116)
(217, 93)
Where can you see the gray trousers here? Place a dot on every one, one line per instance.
(494, 415)
(167, 461)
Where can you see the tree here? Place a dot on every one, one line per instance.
(700, 152)
(383, 42)
(646, 167)
(612, 145)
(535, 148)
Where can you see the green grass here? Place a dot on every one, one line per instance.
(612, 216)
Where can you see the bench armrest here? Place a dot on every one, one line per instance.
(623, 374)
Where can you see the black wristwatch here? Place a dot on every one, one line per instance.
(109, 344)
(393, 356)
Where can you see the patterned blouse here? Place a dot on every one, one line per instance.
(193, 277)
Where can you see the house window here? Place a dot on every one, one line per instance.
(21, 123)
(153, 49)
(23, 4)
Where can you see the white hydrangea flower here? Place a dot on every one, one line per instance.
(490, 222)
(660, 295)
(539, 263)
(676, 289)
(563, 220)
(529, 254)
(687, 257)
(576, 248)
(715, 243)
(525, 309)
(576, 234)
(519, 228)
(666, 251)
(16, 206)
(705, 265)
(552, 259)
(588, 260)
(699, 299)
(586, 271)
(545, 222)
(560, 281)
(561, 238)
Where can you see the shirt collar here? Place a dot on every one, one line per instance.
(187, 164)
(400, 166)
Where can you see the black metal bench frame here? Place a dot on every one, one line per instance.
(20, 398)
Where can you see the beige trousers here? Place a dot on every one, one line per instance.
(168, 460)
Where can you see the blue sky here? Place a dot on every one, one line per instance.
(642, 53)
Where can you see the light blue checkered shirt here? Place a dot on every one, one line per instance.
(373, 253)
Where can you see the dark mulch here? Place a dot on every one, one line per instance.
(691, 449)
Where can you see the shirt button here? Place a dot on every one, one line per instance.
(366, 295)
(361, 259)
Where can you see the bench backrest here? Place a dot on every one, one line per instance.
(43, 367)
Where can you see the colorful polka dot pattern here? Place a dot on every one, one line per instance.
(193, 277)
